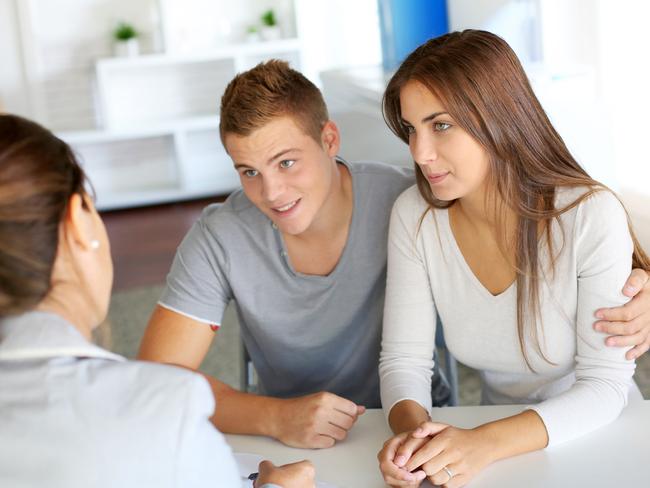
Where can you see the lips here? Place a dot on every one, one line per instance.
(285, 209)
(437, 177)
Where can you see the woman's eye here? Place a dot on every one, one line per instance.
(250, 173)
(287, 163)
(441, 126)
(409, 129)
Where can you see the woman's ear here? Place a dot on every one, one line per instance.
(78, 223)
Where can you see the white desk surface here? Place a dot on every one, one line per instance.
(616, 455)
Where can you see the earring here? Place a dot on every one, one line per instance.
(94, 244)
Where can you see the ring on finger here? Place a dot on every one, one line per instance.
(449, 473)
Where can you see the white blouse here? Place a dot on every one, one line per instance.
(75, 415)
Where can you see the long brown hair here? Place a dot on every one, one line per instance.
(484, 88)
(38, 175)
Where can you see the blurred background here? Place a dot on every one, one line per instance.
(134, 86)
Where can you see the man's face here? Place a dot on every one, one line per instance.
(285, 172)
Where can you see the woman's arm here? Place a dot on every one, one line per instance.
(603, 250)
(408, 339)
(432, 447)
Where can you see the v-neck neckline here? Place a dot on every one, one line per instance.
(468, 270)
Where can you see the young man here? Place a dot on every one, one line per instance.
(301, 249)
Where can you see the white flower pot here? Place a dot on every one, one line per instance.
(253, 37)
(128, 48)
(271, 33)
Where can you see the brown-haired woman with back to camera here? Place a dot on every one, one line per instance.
(511, 242)
(73, 414)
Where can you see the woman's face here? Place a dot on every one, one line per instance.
(453, 162)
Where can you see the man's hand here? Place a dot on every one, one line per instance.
(296, 475)
(629, 325)
(314, 421)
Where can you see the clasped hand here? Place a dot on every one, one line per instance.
(408, 458)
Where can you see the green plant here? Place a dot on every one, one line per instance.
(252, 29)
(268, 18)
(124, 32)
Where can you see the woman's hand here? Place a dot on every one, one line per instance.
(295, 475)
(395, 475)
(447, 455)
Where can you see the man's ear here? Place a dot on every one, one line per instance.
(78, 224)
(331, 138)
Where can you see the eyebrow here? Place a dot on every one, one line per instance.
(428, 117)
(273, 158)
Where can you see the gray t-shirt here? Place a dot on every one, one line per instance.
(304, 333)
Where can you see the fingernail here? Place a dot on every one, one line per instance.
(598, 327)
(400, 460)
(600, 314)
(420, 475)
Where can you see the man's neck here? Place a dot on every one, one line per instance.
(335, 216)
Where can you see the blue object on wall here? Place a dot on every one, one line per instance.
(405, 24)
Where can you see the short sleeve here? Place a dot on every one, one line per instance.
(197, 284)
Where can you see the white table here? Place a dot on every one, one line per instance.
(616, 455)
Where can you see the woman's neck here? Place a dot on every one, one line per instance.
(70, 303)
(487, 214)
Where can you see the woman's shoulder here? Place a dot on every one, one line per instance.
(164, 388)
(410, 199)
(598, 203)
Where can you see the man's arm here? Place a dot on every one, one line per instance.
(629, 325)
(313, 421)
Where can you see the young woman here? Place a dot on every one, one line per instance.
(512, 243)
(72, 414)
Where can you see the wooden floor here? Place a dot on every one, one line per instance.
(144, 240)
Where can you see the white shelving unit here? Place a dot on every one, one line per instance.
(146, 128)
(158, 139)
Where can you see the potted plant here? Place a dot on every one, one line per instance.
(252, 33)
(270, 30)
(125, 37)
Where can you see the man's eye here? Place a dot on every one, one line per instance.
(250, 173)
(287, 163)
(441, 126)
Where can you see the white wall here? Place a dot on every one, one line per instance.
(514, 20)
(337, 34)
(13, 87)
(624, 70)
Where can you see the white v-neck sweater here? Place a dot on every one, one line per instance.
(588, 384)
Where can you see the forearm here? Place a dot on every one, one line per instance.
(244, 413)
(406, 415)
(521, 433)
